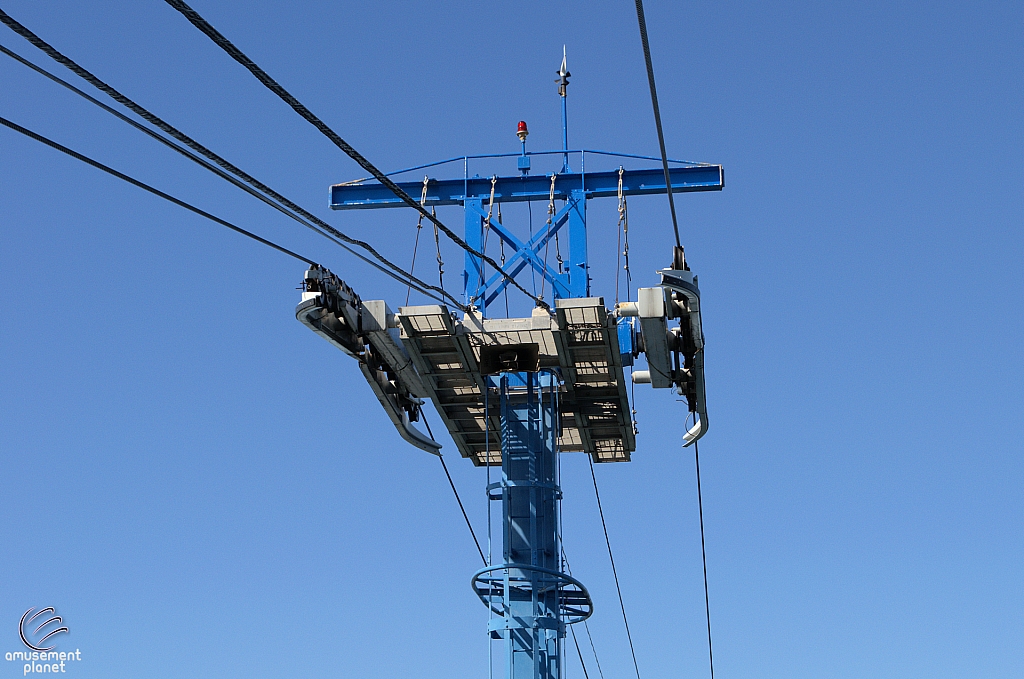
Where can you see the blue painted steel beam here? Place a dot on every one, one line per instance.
(534, 187)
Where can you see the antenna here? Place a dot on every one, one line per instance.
(563, 88)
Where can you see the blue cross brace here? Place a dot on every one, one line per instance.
(562, 284)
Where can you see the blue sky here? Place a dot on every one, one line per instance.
(204, 488)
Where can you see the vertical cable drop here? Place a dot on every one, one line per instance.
(704, 557)
(615, 573)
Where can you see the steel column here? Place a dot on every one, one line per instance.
(472, 274)
(579, 276)
(532, 627)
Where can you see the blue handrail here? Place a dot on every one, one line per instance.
(481, 156)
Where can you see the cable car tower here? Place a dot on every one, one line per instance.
(517, 392)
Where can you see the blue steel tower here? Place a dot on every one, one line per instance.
(514, 392)
(521, 391)
(529, 595)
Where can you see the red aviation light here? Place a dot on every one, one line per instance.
(521, 131)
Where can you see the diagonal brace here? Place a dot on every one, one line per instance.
(525, 253)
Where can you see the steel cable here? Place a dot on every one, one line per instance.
(457, 498)
(146, 187)
(158, 122)
(586, 675)
(203, 25)
(704, 557)
(463, 508)
(615, 574)
(657, 114)
(586, 626)
(418, 285)
(675, 226)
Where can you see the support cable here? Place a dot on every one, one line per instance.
(158, 122)
(625, 249)
(440, 262)
(457, 498)
(657, 114)
(547, 241)
(615, 574)
(629, 298)
(620, 229)
(463, 508)
(593, 649)
(533, 269)
(146, 187)
(586, 626)
(203, 25)
(415, 247)
(419, 285)
(501, 246)
(558, 256)
(704, 557)
(579, 653)
(487, 233)
(416, 244)
(623, 254)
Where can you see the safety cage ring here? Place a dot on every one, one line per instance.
(574, 602)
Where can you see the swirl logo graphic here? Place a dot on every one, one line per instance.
(48, 628)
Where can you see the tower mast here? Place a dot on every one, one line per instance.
(519, 392)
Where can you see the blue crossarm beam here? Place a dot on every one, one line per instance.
(536, 187)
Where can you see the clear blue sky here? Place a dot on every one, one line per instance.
(204, 488)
